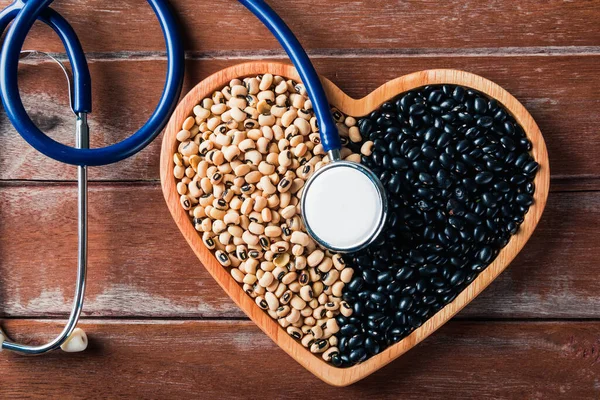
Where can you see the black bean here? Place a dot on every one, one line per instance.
(459, 180)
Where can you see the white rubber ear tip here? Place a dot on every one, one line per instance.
(76, 343)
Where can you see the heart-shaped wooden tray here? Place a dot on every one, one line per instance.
(357, 108)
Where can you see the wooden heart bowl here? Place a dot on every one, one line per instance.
(356, 108)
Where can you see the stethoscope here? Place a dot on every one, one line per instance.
(344, 227)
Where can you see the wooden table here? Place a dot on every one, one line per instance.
(160, 327)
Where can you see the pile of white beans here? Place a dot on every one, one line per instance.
(240, 167)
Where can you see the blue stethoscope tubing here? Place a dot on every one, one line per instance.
(330, 138)
(25, 14)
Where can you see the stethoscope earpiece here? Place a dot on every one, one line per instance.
(76, 342)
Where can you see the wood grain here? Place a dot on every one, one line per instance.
(140, 265)
(221, 25)
(232, 360)
(556, 90)
(353, 107)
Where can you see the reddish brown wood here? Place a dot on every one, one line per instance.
(556, 90)
(228, 359)
(140, 264)
(221, 25)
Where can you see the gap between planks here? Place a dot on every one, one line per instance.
(540, 51)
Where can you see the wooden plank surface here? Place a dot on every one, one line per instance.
(556, 90)
(211, 27)
(534, 333)
(140, 265)
(233, 359)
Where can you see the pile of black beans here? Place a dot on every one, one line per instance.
(459, 178)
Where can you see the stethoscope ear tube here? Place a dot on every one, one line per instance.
(9, 58)
(329, 135)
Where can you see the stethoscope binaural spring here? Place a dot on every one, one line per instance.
(343, 189)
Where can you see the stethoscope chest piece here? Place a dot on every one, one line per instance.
(344, 206)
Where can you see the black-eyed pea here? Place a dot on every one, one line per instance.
(295, 332)
(241, 251)
(259, 290)
(306, 312)
(279, 273)
(316, 331)
(255, 253)
(297, 100)
(314, 274)
(266, 120)
(345, 309)
(354, 134)
(306, 293)
(281, 288)
(298, 237)
(208, 241)
(319, 346)
(272, 231)
(332, 306)
(286, 297)
(300, 263)
(266, 81)
(253, 177)
(206, 225)
(236, 203)
(223, 258)
(247, 145)
(323, 298)
(248, 290)
(281, 87)
(266, 279)
(230, 152)
(183, 135)
(188, 123)
(331, 277)
(297, 250)
(315, 258)
(249, 238)
(264, 242)
(179, 171)
(232, 218)
(278, 110)
(338, 262)
(304, 278)
(262, 303)
(260, 203)
(289, 278)
(337, 288)
(325, 265)
(206, 200)
(247, 189)
(178, 159)
(251, 266)
(284, 185)
(235, 231)
(185, 202)
(283, 311)
(244, 221)
(218, 109)
(295, 287)
(294, 315)
(182, 188)
(319, 313)
(237, 275)
(242, 170)
(215, 213)
(265, 168)
(216, 178)
(272, 301)
(199, 212)
(285, 158)
(256, 228)
(288, 212)
(247, 206)
(303, 126)
(354, 157)
(330, 353)
(272, 200)
(219, 226)
(346, 275)
(304, 114)
(189, 172)
(280, 247)
(317, 288)
(297, 303)
(267, 186)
